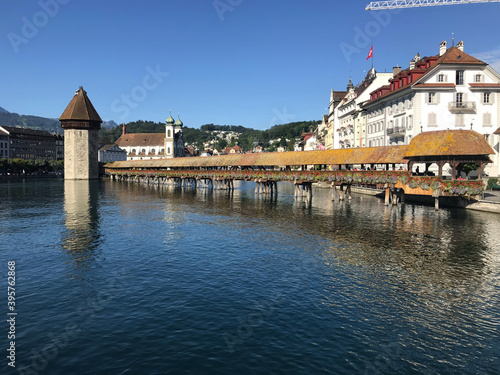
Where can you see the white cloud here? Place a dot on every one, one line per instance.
(491, 57)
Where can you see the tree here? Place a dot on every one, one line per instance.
(221, 144)
(469, 167)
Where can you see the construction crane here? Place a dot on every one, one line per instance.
(399, 4)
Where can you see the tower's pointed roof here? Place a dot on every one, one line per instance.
(80, 108)
(170, 119)
(179, 122)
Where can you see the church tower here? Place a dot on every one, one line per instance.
(81, 125)
(169, 137)
(174, 142)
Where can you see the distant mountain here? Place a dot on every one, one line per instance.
(50, 125)
(108, 124)
(30, 122)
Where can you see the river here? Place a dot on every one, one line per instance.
(122, 278)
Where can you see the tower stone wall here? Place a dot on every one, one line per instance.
(81, 154)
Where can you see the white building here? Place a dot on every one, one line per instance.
(146, 146)
(450, 90)
(336, 98)
(349, 121)
(4, 144)
(111, 152)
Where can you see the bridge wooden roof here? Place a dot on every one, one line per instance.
(371, 155)
(431, 146)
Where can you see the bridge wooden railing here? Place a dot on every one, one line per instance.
(402, 179)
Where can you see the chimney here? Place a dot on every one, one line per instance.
(442, 48)
(460, 45)
(124, 130)
(417, 57)
(412, 64)
(396, 70)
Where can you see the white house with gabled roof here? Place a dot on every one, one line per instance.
(450, 90)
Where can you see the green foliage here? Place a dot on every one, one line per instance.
(22, 166)
(31, 122)
(221, 144)
(248, 138)
(469, 167)
(491, 182)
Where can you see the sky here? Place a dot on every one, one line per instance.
(255, 63)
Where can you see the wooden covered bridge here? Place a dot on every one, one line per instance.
(387, 167)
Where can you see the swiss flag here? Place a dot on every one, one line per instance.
(370, 54)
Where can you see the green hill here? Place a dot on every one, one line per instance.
(30, 122)
(248, 137)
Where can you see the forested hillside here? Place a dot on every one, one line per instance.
(248, 137)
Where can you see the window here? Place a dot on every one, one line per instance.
(169, 134)
(477, 78)
(440, 78)
(143, 150)
(134, 151)
(168, 150)
(459, 80)
(431, 98)
(459, 97)
(486, 98)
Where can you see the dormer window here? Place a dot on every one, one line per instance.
(440, 78)
(478, 78)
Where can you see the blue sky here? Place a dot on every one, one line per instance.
(254, 63)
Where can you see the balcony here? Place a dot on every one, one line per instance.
(462, 106)
(396, 131)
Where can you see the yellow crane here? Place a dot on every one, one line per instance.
(399, 4)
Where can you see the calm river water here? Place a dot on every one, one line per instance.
(121, 278)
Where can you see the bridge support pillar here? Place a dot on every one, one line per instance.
(387, 194)
(436, 203)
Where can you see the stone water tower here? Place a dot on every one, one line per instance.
(81, 125)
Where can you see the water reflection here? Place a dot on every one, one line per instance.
(431, 252)
(82, 221)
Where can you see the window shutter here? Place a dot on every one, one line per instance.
(464, 97)
(431, 120)
(486, 119)
(436, 100)
(492, 97)
(446, 78)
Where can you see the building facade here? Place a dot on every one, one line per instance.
(22, 143)
(349, 116)
(4, 144)
(335, 98)
(111, 152)
(450, 90)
